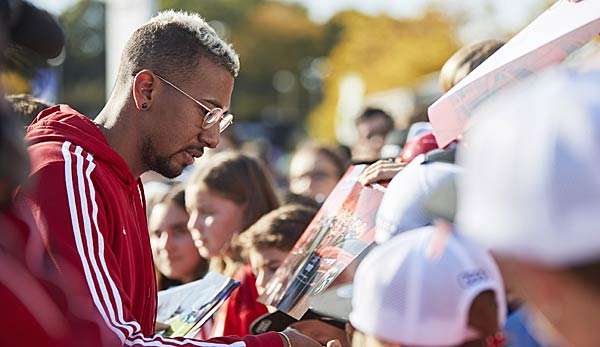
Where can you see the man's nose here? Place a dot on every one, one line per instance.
(210, 136)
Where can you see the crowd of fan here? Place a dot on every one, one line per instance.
(486, 242)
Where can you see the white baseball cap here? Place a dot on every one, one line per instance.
(417, 288)
(531, 187)
(403, 205)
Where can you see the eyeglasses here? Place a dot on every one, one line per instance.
(212, 116)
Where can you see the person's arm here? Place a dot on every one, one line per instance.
(67, 210)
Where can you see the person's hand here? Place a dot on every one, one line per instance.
(381, 170)
(296, 339)
(322, 332)
(160, 326)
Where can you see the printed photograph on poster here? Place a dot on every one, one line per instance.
(342, 229)
(184, 309)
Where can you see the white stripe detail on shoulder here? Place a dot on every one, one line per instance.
(133, 329)
(77, 235)
(88, 236)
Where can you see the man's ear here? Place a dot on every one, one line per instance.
(143, 88)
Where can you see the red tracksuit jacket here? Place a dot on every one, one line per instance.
(242, 307)
(37, 300)
(90, 211)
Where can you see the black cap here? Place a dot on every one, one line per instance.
(30, 27)
(333, 307)
(279, 321)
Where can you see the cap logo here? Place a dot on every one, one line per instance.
(468, 279)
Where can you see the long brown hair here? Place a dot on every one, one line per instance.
(241, 179)
(334, 155)
(279, 229)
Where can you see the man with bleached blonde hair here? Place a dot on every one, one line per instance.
(171, 100)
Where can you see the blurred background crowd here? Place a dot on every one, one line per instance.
(309, 68)
(323, 85)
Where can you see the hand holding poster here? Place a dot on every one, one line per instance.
(548, 40)
(341, 230)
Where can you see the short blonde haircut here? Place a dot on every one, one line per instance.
(172, 43)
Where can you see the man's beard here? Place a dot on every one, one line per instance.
(158, 163)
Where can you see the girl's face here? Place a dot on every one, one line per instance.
(265, 262)
(312, 175)
(213, 222)
(172, 246)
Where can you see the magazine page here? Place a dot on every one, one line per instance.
(187, 307)
(548, 40)
(341, 230)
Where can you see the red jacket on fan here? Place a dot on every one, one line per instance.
(242, 307)
(90, 211)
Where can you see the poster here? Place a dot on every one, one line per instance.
(341, 230)
(187, 307)
(548, 40)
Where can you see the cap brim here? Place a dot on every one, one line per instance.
(331, 307)
(38, 31)
(443, 200)
(275, 321)
(335, 303)
(439, 155)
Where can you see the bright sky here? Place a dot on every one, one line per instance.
(55, 6)
(510, 15)
(322, 10)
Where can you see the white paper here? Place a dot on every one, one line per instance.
(188, 306)
(548, 40)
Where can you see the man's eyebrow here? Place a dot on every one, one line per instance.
(214, 102)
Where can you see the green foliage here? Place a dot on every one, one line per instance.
(272, 36)
(84, 78)
(231, 12)
(385, 52)
(269, 36)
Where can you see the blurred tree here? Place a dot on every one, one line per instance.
(386, 53)
(230, 12)
(277, 43)
(14, 82)
(83, 77)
